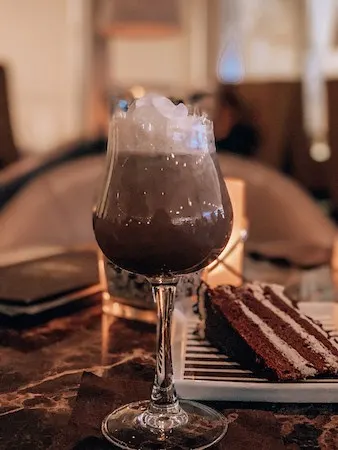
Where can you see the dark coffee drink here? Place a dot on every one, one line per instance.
(164, 212)
(163, 215)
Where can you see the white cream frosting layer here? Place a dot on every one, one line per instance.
(291, 354)
(311, 341)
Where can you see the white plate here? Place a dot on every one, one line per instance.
(203, 373)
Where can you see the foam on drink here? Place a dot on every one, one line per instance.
(154, 124)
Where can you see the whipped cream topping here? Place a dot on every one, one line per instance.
(153, 124)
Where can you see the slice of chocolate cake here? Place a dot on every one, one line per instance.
(260, 328)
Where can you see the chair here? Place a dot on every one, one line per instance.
(54, 209)
(16, 176)
(284, 221)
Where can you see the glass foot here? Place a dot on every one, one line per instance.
(196, 427)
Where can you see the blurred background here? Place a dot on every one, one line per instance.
(265, 71)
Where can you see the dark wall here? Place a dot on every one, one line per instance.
(278, 111)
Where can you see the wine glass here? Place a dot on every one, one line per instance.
(164, 211)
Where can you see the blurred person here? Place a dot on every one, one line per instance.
(234, 124)
(205, 101)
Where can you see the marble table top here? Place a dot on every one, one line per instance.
(40, 371)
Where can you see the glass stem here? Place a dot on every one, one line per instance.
(163, 398)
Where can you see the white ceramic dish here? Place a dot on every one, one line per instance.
(203, 373)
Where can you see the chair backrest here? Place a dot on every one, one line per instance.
(8, 150)
(284, 221)
(54, 209)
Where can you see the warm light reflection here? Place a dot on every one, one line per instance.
(334, 259)
(218, 273)
(107, 321)
(320, 151)
(137, 91)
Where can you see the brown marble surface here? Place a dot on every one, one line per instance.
(40, 371)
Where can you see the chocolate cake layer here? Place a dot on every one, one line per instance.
(259, 327)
